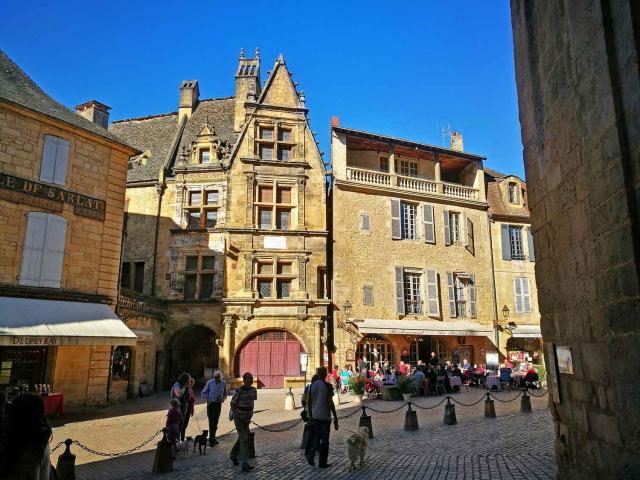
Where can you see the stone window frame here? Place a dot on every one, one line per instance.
(275, 276)
(275, 142)
(275, 185)
(364, 221)
(513, 188)
(516, 242)
(203, 208)
(456, 233)
(370, 296)
(198, 273)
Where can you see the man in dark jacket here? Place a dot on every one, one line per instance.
(320, 405)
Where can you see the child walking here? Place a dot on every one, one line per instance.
(174, 421)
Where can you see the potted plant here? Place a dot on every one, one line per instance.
(406, 386)
(356, 387)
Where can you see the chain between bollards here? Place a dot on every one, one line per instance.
(411, 419)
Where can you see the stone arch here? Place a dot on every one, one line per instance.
(191, 349)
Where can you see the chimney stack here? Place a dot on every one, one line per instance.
(95, 112)
(189, 93)
(335, 121)
(247, 86)
(456, 142)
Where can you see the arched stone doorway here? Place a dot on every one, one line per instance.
(193, 350)
(270, 355)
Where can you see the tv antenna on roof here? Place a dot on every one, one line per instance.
(446, 132)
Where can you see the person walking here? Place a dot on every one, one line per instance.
(321, 406)
(241, 405)
(214, 393)
(191, 406)
(180, 392)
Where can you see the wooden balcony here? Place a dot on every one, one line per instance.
(413, 184)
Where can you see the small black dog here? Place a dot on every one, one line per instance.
(201, 441)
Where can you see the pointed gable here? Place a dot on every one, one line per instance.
(280, 89)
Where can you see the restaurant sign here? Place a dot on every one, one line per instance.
(430, 331)
(46, 196)
(30, 341)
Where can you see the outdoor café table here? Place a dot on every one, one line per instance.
(53, 403)
(455, 381)
(492, 381)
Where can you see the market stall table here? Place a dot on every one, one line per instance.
(53, 403)
(455, 382)
(492, 381)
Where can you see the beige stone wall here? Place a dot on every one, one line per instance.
(369, 258)
(95, 168)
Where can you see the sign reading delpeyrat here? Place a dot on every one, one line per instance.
(46, 196)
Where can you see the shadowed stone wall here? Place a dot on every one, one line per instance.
(579, 97)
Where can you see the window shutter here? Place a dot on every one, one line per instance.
(452, 295)
(396, 231)
(470, 238)
(517, 287)
(368, 295)
(399, 291)
(365, 223)
(48, 162)
(33, 249)
(506, 243)
(429, 225)
(532, 254)
(447, 229)
(62, 159)
(526, 295)
(53, 252)
(433, 308)
(472, 296)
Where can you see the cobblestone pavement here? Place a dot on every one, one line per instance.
(511, 446)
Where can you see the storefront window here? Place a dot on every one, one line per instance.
(121, 366)
(374, 348)
(22, 367)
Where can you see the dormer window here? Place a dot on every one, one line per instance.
(514, 197)
(205, 155)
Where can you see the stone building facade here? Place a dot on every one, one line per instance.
(226, 228)
(411, 260)
(578, 93)
(62, 184)
(513, 263)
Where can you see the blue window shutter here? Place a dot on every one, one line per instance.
(399, 291)
(506, 242)
(532, 254)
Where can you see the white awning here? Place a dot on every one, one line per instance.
(31, 322)
(424, 327)
(527, 331)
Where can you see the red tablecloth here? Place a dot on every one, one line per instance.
(53, 403)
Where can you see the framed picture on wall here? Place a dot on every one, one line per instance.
(552, 372)
(350, 355)
(564, 360)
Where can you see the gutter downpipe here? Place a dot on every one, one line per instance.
(160, 188)
(493, 281)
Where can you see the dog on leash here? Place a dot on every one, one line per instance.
(201, 442)
(183, 446)
(357, 444)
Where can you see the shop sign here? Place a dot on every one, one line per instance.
(34, 340)
(453, 333)
(46, 196)
(304, 361)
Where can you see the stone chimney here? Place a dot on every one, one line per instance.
(189, 93)
(247, 86)
(456, 142)
(335, 121)
(95, 112)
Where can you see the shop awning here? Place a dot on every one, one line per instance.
(527, 331)
(27, 321)
(424, 327)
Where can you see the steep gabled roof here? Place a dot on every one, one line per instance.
(16, 87)
(160, 138)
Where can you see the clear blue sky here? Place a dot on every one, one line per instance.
(405, 69)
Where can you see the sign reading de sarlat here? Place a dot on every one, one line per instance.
(42, 195)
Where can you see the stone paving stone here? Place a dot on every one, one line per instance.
(511, 446)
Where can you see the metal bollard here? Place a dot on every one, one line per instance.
(525, 403)
(163, 460)
(66, 467)
(411, 420)
(289, 401)
(252, 444)
(449, 413)
(365, 421)
(306, 435)
(489, 407)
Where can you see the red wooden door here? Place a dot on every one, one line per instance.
(270, 356)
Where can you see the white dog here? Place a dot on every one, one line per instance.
(183, 446)
(357, 443)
